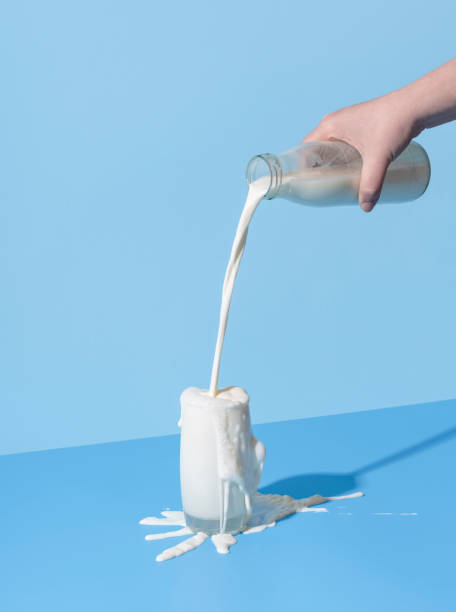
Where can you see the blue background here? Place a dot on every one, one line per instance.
(126, 128)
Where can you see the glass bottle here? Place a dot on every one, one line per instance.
(328, 174)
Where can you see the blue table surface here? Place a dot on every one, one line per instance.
(71, 539)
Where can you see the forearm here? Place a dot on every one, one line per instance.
(432, 98)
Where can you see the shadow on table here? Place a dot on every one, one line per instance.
(304, 485)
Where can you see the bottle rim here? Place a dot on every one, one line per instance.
(265, 164)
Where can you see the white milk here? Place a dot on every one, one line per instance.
(320, 186)
(325, 187)
(330, 186)
(267, 510)
(221, 461)
(257, 191)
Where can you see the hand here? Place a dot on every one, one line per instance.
(379, 129)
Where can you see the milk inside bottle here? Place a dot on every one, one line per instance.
(328, 174)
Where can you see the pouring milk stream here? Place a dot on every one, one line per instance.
(221, 461)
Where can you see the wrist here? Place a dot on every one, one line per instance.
(432, 98)
(406, 105)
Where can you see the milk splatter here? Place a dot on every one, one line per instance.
(266, 511)
(395, 513)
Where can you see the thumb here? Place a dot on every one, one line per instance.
(372, 177)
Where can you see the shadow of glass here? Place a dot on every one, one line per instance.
(305, 485)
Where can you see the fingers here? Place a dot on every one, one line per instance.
(342, 125)
(372, 176)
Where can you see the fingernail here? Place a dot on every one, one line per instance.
(367, 206)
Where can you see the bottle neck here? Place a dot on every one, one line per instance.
(267, 166)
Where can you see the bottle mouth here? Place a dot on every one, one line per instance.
(265, 166)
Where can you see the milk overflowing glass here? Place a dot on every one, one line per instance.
(221, 461)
